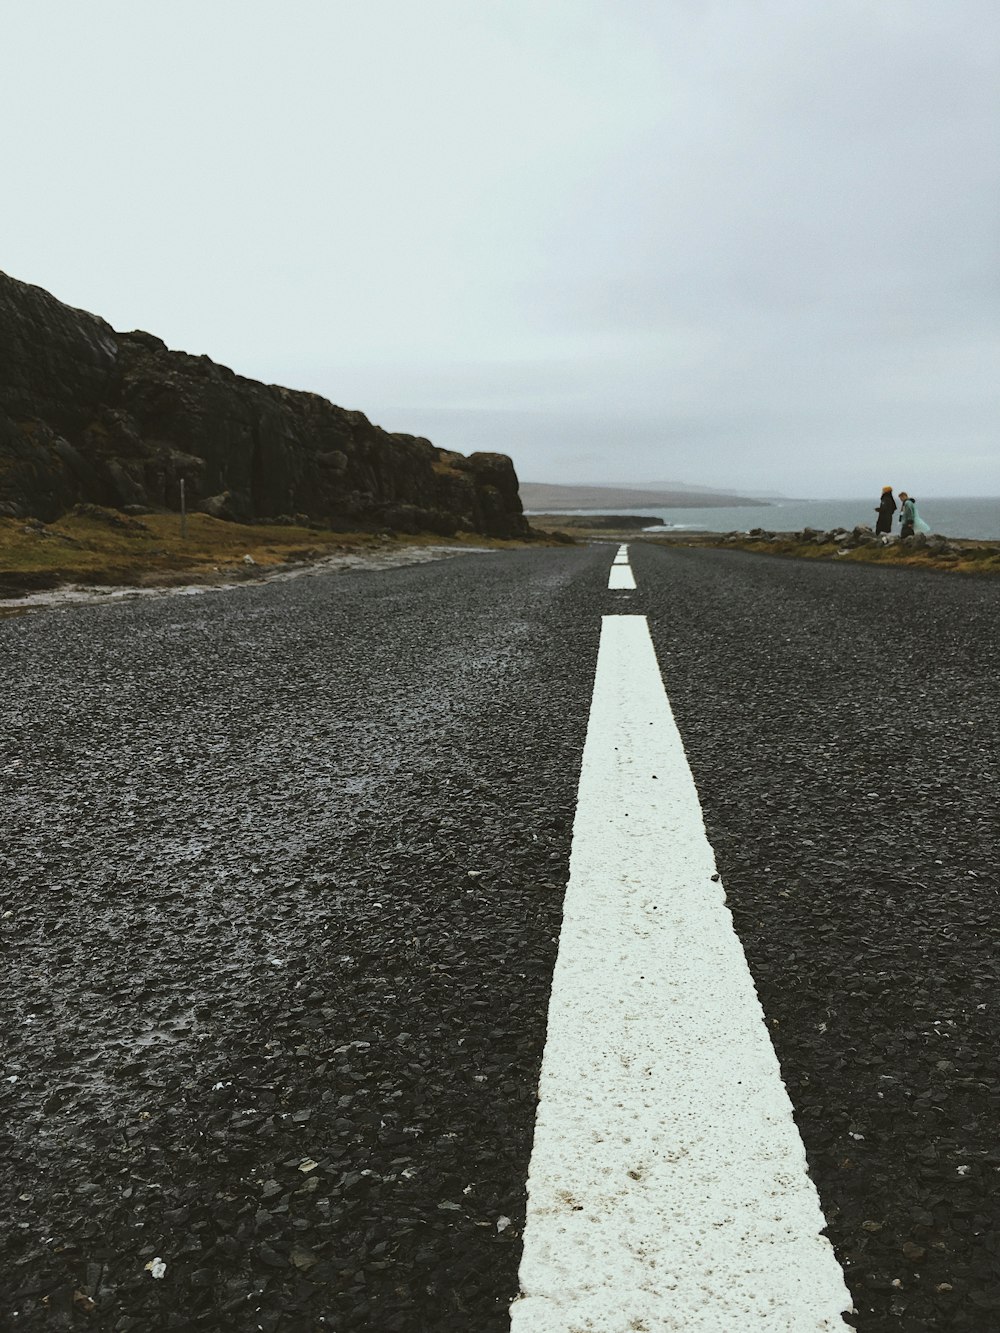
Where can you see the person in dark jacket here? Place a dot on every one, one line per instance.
(886, 509)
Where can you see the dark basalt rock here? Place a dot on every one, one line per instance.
(597, 522)
(89, 415)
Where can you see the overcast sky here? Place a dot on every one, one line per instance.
(746, 243)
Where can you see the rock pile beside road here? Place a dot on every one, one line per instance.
(861, 544)
(851, 538)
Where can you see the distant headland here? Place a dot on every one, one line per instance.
(541, 497)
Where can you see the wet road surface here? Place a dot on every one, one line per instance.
(284, 867)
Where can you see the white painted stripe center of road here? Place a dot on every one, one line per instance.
(621, 575)
(668, 1187)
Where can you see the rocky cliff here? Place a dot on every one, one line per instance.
(117, 419)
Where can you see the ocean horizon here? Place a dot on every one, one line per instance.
(973, 517)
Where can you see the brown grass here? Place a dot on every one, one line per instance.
(971, 558)
(105, 547)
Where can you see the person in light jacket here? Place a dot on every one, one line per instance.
(907, 515)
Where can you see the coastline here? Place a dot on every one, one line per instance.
(966, 517)
(856, 546)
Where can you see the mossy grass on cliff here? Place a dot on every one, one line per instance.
(92, 545)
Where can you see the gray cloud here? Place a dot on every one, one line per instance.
(741, 242)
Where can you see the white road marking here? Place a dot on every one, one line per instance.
(621, 556)
(668, 1187)
(621, 576)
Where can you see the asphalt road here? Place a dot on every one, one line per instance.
(283, 869)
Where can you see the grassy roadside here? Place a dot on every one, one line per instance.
(104, 547)
(957, 556)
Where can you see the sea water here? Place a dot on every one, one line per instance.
(976, 517)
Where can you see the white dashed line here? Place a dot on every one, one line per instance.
(668, 1187)
(621, 577)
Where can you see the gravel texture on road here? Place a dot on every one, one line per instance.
(843, 726)
(282, 875)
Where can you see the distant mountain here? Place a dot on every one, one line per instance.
(658, 485)
(542, 497)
